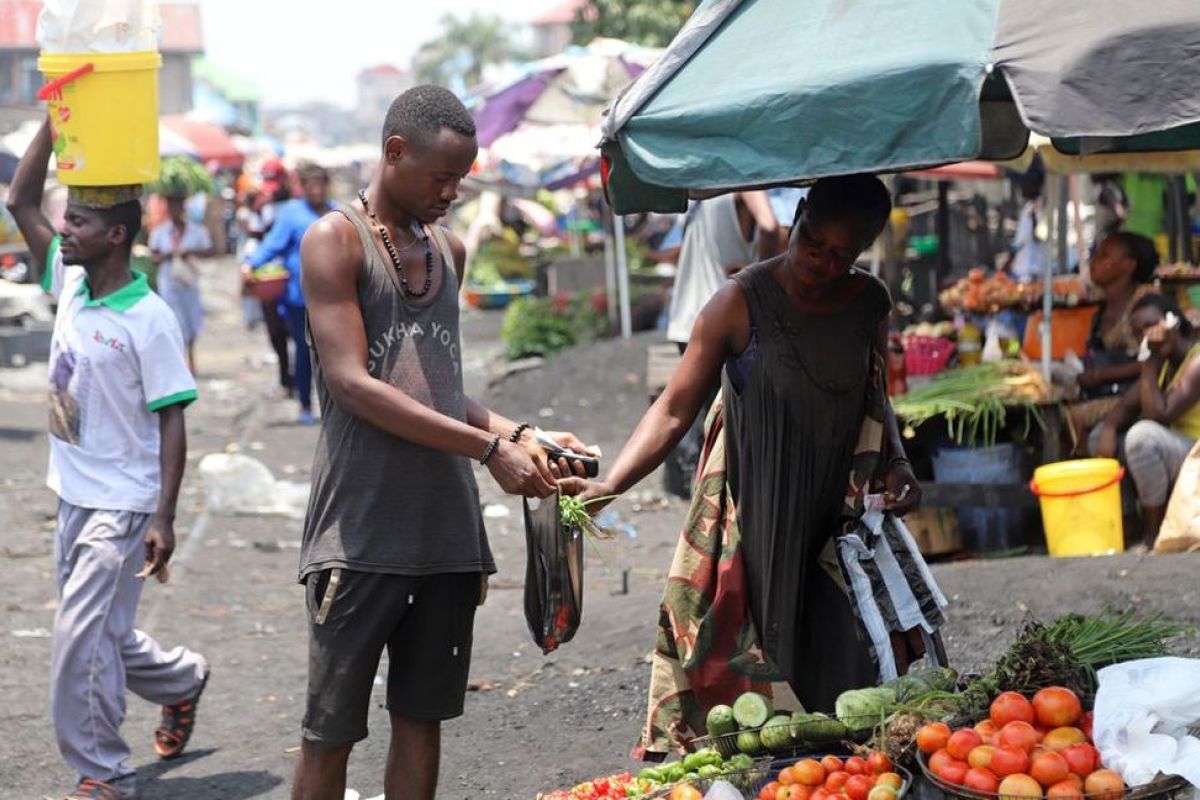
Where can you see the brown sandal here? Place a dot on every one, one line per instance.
(91, 789)
(178, 721)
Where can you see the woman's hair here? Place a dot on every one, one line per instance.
(1142, 251)
(861, 199)
(1167, 306)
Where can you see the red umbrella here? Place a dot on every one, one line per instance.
(211, 143)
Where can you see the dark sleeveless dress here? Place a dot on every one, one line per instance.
(794, 404)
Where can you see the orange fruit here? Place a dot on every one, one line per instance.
(1019, 786)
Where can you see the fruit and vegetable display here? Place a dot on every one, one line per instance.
(1035, 746)
(677, 779)
(753, 726)
(1022, 730)
(1177, 272)
(981, 293)
(976, 402)
(872, 777)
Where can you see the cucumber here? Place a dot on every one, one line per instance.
(720, 721)
(752, 710)
(749, 743)
(777, 734)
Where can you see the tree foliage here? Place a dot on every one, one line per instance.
(652, 23)
(464, 48)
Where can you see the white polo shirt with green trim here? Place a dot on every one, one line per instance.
(114, 362)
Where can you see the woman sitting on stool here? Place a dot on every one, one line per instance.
(1157, 421)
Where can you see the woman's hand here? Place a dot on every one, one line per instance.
(597, 494)
(902, 491)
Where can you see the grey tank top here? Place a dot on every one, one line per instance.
(380, 503)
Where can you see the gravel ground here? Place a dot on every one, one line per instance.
(532, 722)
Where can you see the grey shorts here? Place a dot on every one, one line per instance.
(425, 622)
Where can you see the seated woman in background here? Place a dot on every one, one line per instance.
(1158, 418)
(1123, 268)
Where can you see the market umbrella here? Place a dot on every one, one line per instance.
(572, 88)
(762, 92)
(211, 143)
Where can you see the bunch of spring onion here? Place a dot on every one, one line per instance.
(976, 401)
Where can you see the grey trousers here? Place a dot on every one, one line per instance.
(97, 653)
(1153, 454)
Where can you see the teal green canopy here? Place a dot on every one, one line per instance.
(764, 92)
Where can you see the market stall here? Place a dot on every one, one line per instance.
(1059, 716)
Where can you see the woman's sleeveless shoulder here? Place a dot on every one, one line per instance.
(875, 298)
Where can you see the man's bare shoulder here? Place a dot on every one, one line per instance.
(331, 243)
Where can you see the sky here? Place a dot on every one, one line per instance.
(297, 56)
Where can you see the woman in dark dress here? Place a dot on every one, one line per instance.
(794, 342)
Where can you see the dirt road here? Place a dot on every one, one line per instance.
(534, 722)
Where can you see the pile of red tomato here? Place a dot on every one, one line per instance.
(831, 778)
(1024, 749)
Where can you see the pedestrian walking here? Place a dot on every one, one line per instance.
(119, 383)
(175, 246)
(394, 552)
(282, 242)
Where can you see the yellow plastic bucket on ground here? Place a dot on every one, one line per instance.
(1081, 506)
(104, 112)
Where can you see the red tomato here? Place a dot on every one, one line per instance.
(1082, 759)
(878, 763)
(801, 792)
(1060, 739)
(1020, 735)
(1065, 790)
(881, 792)
(787, 793)
(938, 759)
(858, 787)
(807, 771)
(1048, 769)
(1085, 725)
(981, 780)
(953, 772)
(786, 777)
(962, 743)
(1011, 707)
(1019, 786)
(988, 730)
(768, 792)
(819, 793)
(933, 737)
(832, 764)
(981, 757)
(1104, 784)
(891, 779)
(1009, 761)
(1057, 707)
(836, 781)
(856, 765)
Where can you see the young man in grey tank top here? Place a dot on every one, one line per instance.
(394, 551)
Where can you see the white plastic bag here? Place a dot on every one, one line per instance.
(98, 26)
(1143, 712)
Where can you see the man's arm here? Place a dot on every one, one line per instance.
(332, 256)
(762, 216)
(25, 198)
(276, 243)
(160, 537)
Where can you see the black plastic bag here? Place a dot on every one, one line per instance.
(553, 576)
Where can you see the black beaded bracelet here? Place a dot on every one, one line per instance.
(516, 434)
(491, 450)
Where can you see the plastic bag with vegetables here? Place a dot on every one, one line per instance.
(553, 575)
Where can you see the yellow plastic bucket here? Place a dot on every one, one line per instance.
(1081, 506)
(104, 112)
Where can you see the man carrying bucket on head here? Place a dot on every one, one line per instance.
(118, 385)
